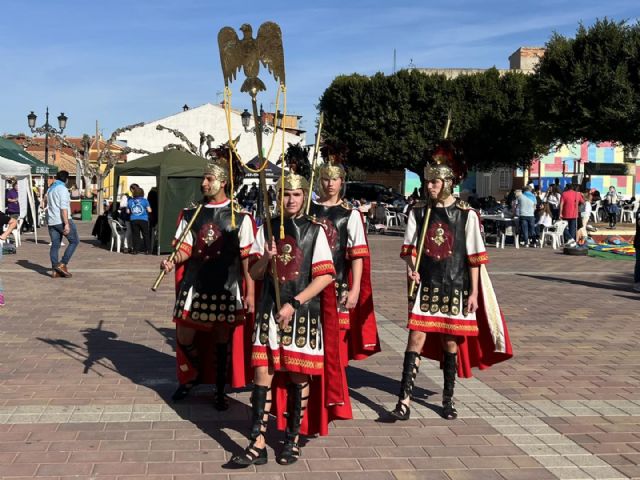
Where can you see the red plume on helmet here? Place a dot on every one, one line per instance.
(448, 154)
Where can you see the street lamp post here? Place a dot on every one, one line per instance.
(246, 121)
(46, 129)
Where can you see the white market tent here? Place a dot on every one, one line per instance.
(22, 172)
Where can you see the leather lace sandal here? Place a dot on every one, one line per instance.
(251, 455)
(401, 412)
(410, 369)
(295, 412)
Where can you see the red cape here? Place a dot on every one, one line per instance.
(240, 371)
(491, 346)
(361, 340)
(329, 393)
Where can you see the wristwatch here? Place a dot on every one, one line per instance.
(294, 303)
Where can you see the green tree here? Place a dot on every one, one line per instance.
(494, 121)
(392, 122)
(588, 87)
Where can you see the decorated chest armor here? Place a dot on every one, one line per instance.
(444, 273)
(294, 263)
(214, 268)
(334, 220)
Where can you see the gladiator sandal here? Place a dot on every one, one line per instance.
(220, 402)
(184, 388)
(410, 369)
(295, 412)
(260, 406)
(449, 372)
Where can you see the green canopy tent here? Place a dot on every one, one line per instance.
(12, 151)
(178, 177)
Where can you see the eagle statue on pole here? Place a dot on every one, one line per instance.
(247, 53)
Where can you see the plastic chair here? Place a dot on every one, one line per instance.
(629, 211)
(17, 238)
(118, 235)
(390, 218)
(555, 233)
(509, 231)
(595, 211)
(402, 219)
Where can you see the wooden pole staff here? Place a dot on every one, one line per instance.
(425, 225)
(178, 245)
(314, 161)
(265, 199)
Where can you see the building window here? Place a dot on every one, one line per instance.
(505, 179)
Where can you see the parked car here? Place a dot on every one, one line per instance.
(373, 192)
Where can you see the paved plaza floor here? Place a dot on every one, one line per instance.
(87, 367)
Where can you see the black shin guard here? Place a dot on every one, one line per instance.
(258, 408)
(295, 411)
(409, 372)
(253, 455)
(220, 402)
(449, 369)
(183, 390)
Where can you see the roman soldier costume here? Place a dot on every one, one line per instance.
(308, 345)
(347, 239)
(452, 244)
(210, 292)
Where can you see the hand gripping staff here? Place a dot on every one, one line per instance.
(425, 225)
(172, 257)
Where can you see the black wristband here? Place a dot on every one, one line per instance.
(294, 303)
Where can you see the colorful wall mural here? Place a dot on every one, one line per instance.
(570, 160)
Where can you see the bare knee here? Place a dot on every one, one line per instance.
(263, 376)
(449, 343)
(416, 341)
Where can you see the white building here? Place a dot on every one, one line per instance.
(210, 119)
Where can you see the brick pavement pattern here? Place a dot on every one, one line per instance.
(87, 368)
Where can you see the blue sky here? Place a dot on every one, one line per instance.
(122, 62)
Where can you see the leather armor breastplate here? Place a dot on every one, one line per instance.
(214, 267)
(444, 269)
(294, 264)
(335, 220)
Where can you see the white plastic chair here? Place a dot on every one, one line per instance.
(118, 235)
(629, 211)
(17, 238)
(595, 211)
(390, 218)
(556, 233)
(402, 219)
(509, 231)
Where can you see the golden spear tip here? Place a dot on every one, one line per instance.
(446, 128)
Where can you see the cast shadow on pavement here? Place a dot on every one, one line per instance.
(620, 283)
(148, 367)
(360, 378)
(26, 264)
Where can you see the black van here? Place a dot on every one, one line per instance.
(373, 192)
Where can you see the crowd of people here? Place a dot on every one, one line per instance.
(536, 210)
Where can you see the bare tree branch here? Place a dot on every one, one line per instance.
(192, 148)
(176, 146)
